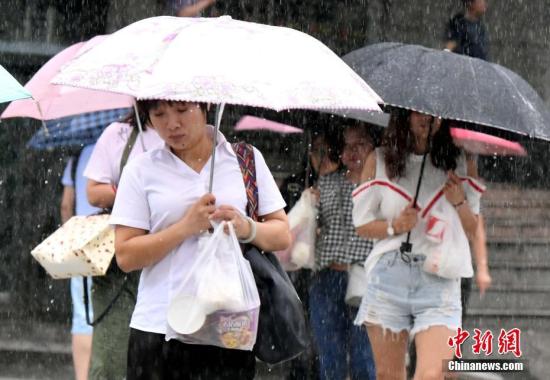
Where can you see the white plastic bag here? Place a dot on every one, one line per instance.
(219, 304)
(446, 248)
(302, 219)
(357, 285)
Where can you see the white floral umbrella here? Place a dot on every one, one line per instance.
(221, 60)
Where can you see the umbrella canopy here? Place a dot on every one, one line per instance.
(54, 101)
(452, 86)
(484, 144)
(220, 60)
(253, 123)
(74, 131)
(10, 89)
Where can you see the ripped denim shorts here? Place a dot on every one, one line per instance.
(402, 296)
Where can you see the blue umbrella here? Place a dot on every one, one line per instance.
(10, 89)
(75, 131)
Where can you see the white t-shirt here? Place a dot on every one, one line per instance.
(104, 164)
(155, 191)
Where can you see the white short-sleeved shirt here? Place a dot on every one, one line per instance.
(156, 190)
(104, 164)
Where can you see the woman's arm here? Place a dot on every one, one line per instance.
(100, 194)
(481, 257)
(454, 192)
(378, 229)
(136, 249)
(67, 203)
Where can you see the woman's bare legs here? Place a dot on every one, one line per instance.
(82, 352)
(431, 350)
(389, 351)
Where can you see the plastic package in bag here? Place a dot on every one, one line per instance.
(302, 220)
(219, 304)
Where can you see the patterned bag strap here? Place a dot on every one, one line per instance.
(245, 156)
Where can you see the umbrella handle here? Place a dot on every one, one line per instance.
(140, 127)
(308, 164)
(42, 118)
(219, 112)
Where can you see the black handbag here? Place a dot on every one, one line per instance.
(282, 331)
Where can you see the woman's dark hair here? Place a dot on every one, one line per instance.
(398, 144)
(144, 106)
(331, 134)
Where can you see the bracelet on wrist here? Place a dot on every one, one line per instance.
(252, 234)
(459, 203)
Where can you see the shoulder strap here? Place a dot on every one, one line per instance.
(125, 155)
(245, 156)
(74, 165)
(109, 306)
(75, 157)
(128, 148)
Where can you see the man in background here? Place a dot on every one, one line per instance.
(466, 33)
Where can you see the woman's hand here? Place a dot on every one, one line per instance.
(483, 279)
(453, 190)
(242, 226)
(406, 220)
(198, 216)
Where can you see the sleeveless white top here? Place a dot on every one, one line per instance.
(439, 231)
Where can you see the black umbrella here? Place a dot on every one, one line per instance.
(452, 86)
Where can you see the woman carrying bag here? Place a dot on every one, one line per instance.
(415, 293)
(114, 294)
(162, 207)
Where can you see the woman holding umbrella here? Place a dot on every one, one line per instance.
(408, 294)
(162, 206)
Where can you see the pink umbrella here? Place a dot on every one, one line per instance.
(483, 144)
(56, 101)
(253, 123)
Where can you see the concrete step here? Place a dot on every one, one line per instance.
(492, 214)
(504, 195)
(528, 252)
(501, 298)
(510, 316)
(519, 264)
(32, 365)
(521, 220)
(518, 233)
(520, 277)
(533, 341)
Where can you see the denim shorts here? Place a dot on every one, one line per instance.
(401, 296)
(80, 326)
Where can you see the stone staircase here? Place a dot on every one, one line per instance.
(518, 232)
